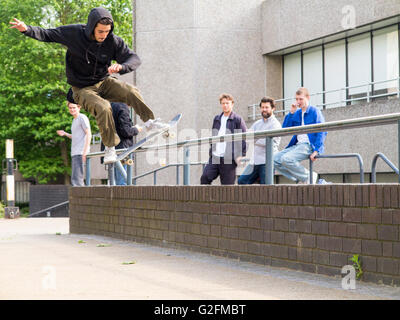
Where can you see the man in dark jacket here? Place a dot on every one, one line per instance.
(91, 48)
(225, 156)
(125, 131)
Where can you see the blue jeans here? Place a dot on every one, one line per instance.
(77, 171)
(251, 173)
(119, 178)
(287, 162)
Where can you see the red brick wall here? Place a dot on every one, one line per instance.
(310, 228)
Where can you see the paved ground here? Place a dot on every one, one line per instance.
(39, 259)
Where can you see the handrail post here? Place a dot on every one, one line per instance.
(398, 88)
(186, 167)
(398, 144)
(155, 177)
(310, 174)
(121, 169)
(129, 170)
(269, 162)
(373, 168)
(111, 176)
(87, 171)
(388, 162)
(361, 164)
(177, 174)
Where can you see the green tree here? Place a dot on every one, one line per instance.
(33, 83)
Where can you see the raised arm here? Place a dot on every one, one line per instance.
(58, 35)
(19, 25)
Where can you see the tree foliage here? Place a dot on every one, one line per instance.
(33, 83)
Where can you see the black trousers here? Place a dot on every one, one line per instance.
(216, 167)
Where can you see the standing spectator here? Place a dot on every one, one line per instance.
(224, 156)
(256, 168)
(80, 145)
(303, 146)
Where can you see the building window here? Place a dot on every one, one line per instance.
(386, 59)
(344, 69)
(359, 67)
(335, 74)
(292, 76)
(312, 74)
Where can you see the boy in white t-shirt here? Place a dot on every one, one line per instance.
(80, 146)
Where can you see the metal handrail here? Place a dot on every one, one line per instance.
(243, 160)
(337, 156)
(388, 162)
(154, 171)
(312, 128)
(386, 119)
(49, 208)
(270, 134)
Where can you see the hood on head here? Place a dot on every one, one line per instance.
(70, 97)
(94, 16)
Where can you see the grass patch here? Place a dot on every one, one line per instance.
(23, 210)
(2, 209)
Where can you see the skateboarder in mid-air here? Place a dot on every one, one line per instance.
(91, 48)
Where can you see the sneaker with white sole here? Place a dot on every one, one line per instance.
(315, 177)
(110, 155)
(323, 181)
(155, 124)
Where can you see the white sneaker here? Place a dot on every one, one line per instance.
(154, 124)
(314, 178)
(110, 155)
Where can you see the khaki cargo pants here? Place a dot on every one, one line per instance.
(96, 100)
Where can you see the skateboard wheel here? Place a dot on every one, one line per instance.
(171, 135)
(162, 162)
(166, 134)
(129, 162)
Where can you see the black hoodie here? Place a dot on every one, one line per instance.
(87, 60)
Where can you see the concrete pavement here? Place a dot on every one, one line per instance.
(39, 259)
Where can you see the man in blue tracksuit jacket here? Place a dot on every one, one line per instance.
(302, 146)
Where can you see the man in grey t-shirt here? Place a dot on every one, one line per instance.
(256, 168)
(80, 146)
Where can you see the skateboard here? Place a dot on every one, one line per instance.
(152, 134)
